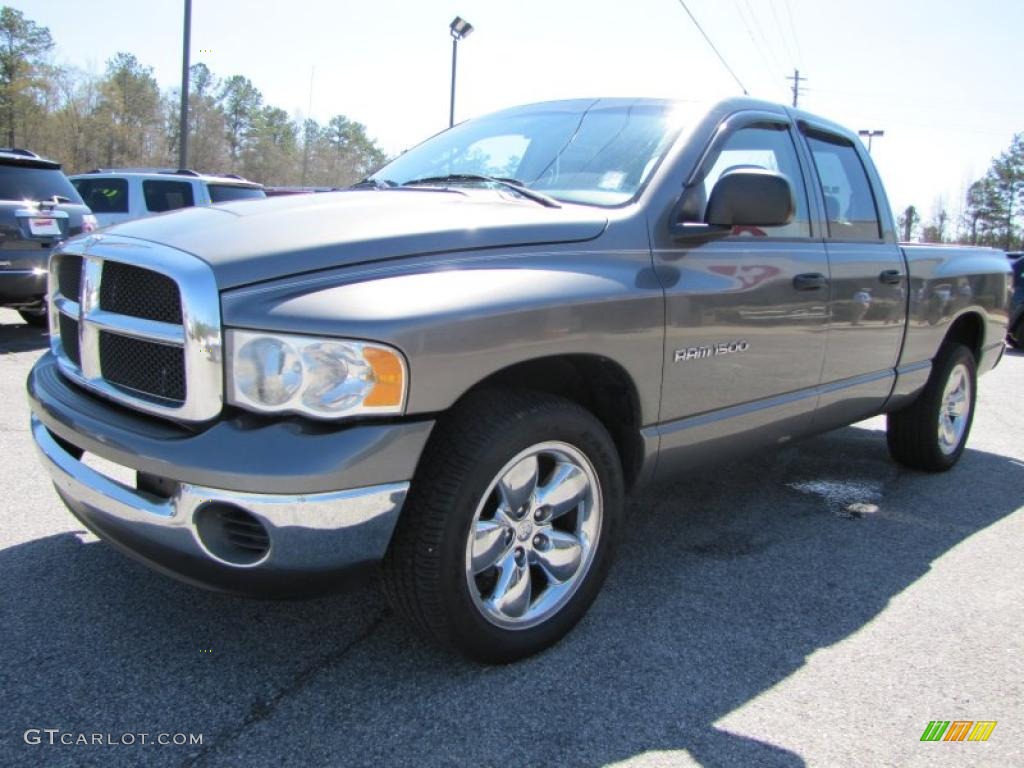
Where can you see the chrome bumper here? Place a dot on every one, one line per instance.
(310, 539)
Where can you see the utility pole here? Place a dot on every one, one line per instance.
(183, 122)
(796, 78)
(871, 134)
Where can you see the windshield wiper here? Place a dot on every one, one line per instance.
(369, 181)
(514, 184)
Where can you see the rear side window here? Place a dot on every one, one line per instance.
(849, 201)
(771, 148)
(104, 195)
(23, 182)
(167, 195)
(225, 193)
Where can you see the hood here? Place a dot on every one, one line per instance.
(253, 241)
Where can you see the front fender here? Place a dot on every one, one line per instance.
(460, 320)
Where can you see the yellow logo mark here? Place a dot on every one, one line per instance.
(982, 730)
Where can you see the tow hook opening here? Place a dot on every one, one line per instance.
(231, 534)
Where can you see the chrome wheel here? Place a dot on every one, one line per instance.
(955, 409)
(533, 536)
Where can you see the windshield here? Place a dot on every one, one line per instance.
(597, 156)
(21, 182)
(223, 193)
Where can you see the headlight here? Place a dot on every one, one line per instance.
(319, 377)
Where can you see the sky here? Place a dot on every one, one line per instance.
(939, 77)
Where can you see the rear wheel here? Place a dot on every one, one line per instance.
(1015, 338)
(506, 536)
(931, 433)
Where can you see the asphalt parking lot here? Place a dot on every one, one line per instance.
(754, 618)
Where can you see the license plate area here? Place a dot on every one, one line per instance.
(44, 226)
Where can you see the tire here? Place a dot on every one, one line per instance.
(930, 434)
(1015, 338)
(467, 592)
(35, 319)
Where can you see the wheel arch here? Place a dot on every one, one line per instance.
(968, 329)
(596, 383)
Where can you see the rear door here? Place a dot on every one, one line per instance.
(868, 297)
(746, 313)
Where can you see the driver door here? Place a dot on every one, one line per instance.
(747, 314)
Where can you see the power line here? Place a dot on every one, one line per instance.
(761, 51)
(779, 67)
(721, 58)
(792, 29)
(782, 35)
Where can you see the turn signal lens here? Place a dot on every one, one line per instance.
(388, 377)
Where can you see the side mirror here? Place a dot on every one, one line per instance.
(751, 197)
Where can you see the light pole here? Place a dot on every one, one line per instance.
(183, 120)
(871, 135)
(460, 28)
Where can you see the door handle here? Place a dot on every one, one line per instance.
(891, 276)
(812, 281)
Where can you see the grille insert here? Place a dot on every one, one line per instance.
(69, 276)
(145, 367)
(69, 338)
(130, 290)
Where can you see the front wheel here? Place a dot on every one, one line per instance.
(506, 536)
(930, 434)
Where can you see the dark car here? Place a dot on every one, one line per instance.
(38, 209)
(1015, 336)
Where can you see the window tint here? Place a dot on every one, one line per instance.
(22, 182)
(770, 148)
(223, 193)
(104, 195)
(167, 195)
(849, 202)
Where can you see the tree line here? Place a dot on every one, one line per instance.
(122, 118)
(992, 212)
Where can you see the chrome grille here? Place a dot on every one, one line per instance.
(138, 323)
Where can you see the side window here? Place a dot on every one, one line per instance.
(104, 195)
(771, 148)
(167, 195)
(849, 202)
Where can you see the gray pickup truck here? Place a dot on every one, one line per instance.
(457, 369)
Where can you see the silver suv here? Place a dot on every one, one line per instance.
(120, 194)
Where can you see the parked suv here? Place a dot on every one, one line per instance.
(119, 194)
(1015, 336)
(38, 208)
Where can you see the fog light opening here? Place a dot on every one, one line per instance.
(230, 534)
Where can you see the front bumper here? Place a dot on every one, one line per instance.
(306, 540)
